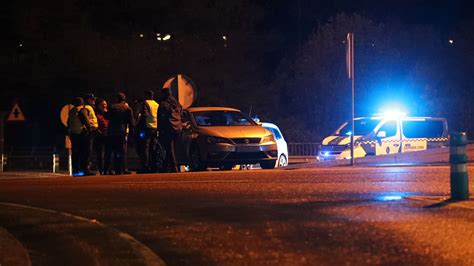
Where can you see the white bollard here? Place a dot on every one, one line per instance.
(69, 162)
(3, 167)
(55, 163)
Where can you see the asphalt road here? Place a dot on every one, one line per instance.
(324, 216)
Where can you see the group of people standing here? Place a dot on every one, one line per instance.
(95, 127)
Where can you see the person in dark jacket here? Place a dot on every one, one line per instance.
(101, 149)
(169, 127)
(120, 117)
(79, 128)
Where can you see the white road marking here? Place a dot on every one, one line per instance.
(150, 257)
(183, 181)
(467, 204)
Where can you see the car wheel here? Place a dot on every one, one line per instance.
(195, 163)
(268, 164)
(226, 167)
(282, 161)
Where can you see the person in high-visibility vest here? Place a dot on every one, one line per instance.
(78, 127)
(93, 123)
(146, 133)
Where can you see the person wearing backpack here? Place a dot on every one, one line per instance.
(169, 128)
(79, 128)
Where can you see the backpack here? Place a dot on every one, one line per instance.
(175, 116)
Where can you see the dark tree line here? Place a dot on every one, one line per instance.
(72, 47)
(415, 67)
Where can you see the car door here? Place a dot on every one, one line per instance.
(388, 138)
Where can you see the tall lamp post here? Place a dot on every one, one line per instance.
(350, 74)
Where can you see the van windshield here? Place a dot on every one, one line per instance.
(362, 127)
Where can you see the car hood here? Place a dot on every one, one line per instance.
(339, 140)
(231, 132)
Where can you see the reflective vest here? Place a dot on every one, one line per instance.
(91, 117)
(151, 120)
(74, 122)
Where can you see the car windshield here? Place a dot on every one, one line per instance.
(221, 118)
(362, 127)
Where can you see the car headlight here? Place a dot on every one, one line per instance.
(212, 139)
(268, 138)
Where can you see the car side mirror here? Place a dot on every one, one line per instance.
(381, 134)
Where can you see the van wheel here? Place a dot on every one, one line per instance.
(195, 162)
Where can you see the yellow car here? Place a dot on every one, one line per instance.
(223, 137)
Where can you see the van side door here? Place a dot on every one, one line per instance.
(388, 138)
(423, 133)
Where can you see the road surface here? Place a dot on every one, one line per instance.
(320, 216)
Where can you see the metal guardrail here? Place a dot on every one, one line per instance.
(49, 159)
(303, 149)
(31, 158)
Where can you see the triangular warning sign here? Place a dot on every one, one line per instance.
(16, 115)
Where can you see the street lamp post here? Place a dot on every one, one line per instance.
(350, 74)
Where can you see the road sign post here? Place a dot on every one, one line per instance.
(459, 179)
(64, 115)
(183, 88)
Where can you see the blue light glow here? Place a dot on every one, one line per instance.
(142, 134)
(349, 133)
(392, 111)
(80, 173)
(326, 153)
(389, 198)
(393, 91)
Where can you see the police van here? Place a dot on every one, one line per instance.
(380, 135)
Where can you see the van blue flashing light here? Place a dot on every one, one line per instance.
(392, 111)
(142, 134)
(349, 133)
(391, 114)
(80, 173)
(326, 153)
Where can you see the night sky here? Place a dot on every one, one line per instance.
(287, 16)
